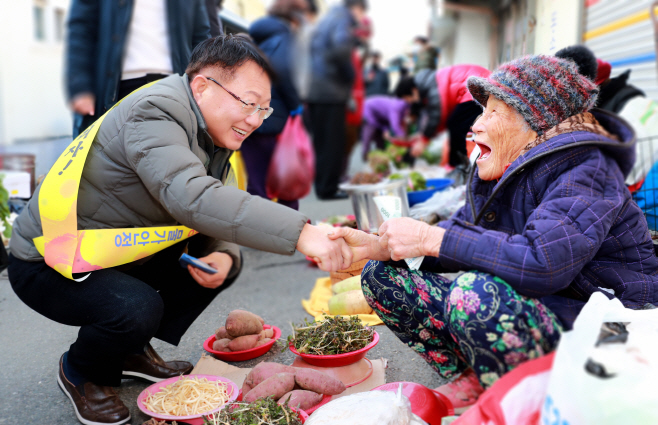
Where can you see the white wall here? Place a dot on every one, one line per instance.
(32, 102)
(559, 24)
(471, 41)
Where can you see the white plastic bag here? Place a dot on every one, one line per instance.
(367, 408)
(576, 397)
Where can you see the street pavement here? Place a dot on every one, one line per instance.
(270, 285)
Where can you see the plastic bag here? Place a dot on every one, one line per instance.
(292, 168)
(367, 408)
(443, 203)
(576, 396)
(515, 399)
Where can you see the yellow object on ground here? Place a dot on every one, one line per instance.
(319, 303)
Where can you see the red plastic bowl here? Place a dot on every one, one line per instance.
(303, 415)
(430, 405)
(336, 360)
(192, 419)
(239, 356)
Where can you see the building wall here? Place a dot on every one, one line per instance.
(471, 39)
(248, 9)
(32, 103)
(559, 24)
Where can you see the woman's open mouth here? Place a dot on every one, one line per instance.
(486, 151)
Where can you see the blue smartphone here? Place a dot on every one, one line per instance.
(187, 260)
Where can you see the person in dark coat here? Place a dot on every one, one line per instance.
(548, 221)
(376, 77)
(332, 77)
(115, 47)
(274, 36)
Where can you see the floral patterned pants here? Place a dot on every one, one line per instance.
(475, 321)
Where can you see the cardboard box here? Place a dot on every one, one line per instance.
(209, 365)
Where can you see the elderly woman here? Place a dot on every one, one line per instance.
(548, 221)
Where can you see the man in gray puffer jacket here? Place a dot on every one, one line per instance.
(161, 158)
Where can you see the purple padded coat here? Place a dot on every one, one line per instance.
(559, 225)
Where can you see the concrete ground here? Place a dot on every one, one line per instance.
(270, 285)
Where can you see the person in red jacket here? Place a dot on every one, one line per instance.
(447, 104)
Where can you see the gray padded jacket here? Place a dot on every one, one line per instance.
(154, 164)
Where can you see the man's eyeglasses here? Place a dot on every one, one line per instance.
(247, 108)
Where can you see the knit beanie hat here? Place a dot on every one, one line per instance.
(545, 90)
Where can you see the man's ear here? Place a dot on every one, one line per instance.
(199, 85)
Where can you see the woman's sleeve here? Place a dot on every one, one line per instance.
(157, 147)
(559, 238)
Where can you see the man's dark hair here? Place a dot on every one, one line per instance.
(421, 39)
(227, 53)
(405, 87)
(583, 57)
(361, 3)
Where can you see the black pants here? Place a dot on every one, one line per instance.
(328, 129)
(459, 124)
(118, 312)
(81, 122)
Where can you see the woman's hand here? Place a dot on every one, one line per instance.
(362, 244)
(331, 255)
(220, 261)
(418, 147)
(407, 238)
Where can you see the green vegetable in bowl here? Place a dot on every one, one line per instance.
(333, 335)
(415, 181)
(264, 411)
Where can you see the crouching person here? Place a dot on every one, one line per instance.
(99, 249)
(548, 221)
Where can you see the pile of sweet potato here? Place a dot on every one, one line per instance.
(242, 331)
(298, 387)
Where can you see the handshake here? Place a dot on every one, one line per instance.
(399, 238)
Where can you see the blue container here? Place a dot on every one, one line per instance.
(423, 195)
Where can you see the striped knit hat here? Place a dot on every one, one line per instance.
(545, 90)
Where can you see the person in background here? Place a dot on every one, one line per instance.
(273, 34)
(382, 114)
(354, 114)
(426, 56)
(115, 47)
(213, 7)
(376, 77)
(447, 104)
(331, 83)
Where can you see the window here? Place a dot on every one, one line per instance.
(59, 24)
(39, 22)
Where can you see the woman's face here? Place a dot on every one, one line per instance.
(228, 124)
(501, 133)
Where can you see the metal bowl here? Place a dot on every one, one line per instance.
(367, 214)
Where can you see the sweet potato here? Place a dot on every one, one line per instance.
(274, 386)
(267, 333)
(263, 341)
(245, 388)
(316, 381)
(221, 345)
(264, 370)
(243, 342)
(240, 323)
(301, 399)
(221, 333)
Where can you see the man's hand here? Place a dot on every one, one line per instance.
(220, 261)
(331, 255)
(362, 244)
(407, 238)
(83, 104)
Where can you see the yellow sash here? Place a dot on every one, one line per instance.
(69, 250)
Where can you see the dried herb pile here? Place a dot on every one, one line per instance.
(332, 335)
(261, 412)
